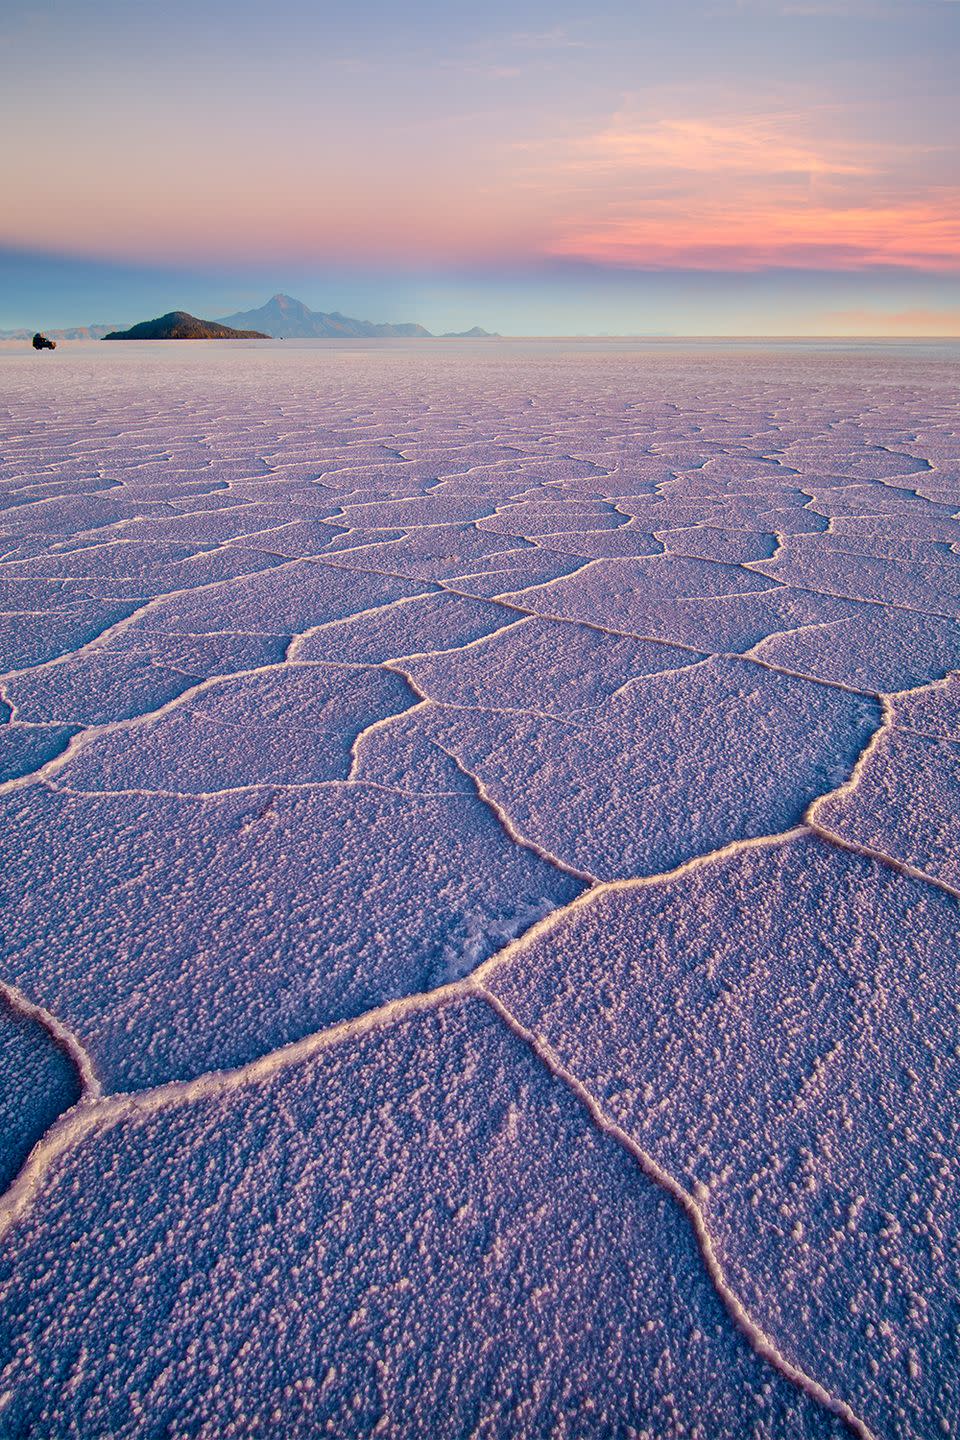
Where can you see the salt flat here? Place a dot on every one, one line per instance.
(480, 867)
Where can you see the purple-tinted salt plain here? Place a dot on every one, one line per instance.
(647, 778)
(38, 1081)
(25, 748)
(905, 802)
(777, 1029)
(284, 725)
(479, 852)
(356, 1244)
(179, 933)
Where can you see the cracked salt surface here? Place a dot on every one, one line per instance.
(479, 861)
(779, 1030)
(460, 1248)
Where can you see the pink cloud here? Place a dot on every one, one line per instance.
(744, 192)
(748, 234)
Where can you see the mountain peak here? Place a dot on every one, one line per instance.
(283, 316)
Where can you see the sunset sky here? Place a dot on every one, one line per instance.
(700, 166)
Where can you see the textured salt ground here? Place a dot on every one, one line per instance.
(25, 748)
(425, 510)
(34, 636)
(652, 776)
(286, 725)
(703, 542)
(929, 588)
(615, 594)
(837, 499)
(286, 600)
(887, 541)
(626, 541)
(174, 934)
(878, 648)
(747, 512)
(513, 570)
(37, 1082)
(436, 552)
(418, 1231)
(550, 518)
(125, 569)
(541, 665)
(100, 687)
(858, 461)
(22, 594)
(933, 710)
(779, 1029)
(905, 802)
(427, 623)
(238, 523)
(664, 578)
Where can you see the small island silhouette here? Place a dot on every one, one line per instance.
(178, 325)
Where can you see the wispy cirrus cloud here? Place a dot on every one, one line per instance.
(763, 145)
(556, 38)
(838, 9)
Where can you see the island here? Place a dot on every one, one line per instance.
(178, 325)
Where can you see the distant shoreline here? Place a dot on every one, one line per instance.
(20, 339)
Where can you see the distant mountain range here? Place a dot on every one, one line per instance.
(75, 332)
(281, 318)
(178, 325)
(289, 319)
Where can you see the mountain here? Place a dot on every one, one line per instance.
(282, 316)
(178, 325)
(75, 332)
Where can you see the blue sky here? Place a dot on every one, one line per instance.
(705, 166)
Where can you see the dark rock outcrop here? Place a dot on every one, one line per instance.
(40, 342)
(178, 325)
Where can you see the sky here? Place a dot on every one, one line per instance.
(686, 167)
